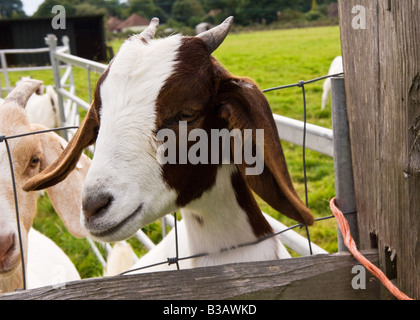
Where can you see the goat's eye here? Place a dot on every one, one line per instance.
(34, 161)
(188, 115)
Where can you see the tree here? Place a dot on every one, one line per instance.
(147, 9)
(11, 9)
(165, 5)
(44, 10)
(258, 11)
(225, 8)
(314, 5)
(88, 9)
(187, 10)
(114, 7)
(82, 7)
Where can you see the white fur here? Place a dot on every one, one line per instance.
(224, 225)
(121, 258)
(43, 109)
(336, 67)
(47, 263)
(125, 162)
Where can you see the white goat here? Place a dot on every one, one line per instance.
(120, 259)
(31, 154)
(336, 67)
(175, 84)
(47, 263)
(43, 109)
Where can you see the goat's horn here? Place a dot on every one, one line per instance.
(149, 33)
(21, 93)
(215, 36)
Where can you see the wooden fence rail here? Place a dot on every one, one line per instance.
(313, 277)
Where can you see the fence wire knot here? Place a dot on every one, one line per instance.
(172, 260)
(2, 138)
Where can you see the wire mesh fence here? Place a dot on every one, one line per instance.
(60, 56)
(176, 258)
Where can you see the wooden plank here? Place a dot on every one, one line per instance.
(400, 99)
(361, 69)
(382, 75)
(315, 277)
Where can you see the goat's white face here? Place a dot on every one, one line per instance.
(125, 165)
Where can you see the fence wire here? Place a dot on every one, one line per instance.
(176, 259)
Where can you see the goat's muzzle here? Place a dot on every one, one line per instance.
(95, 205)
(8, 251)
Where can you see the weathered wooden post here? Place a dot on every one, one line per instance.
(381, 55)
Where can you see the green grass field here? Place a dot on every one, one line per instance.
(271, 58)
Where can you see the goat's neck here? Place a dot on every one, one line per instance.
(217, 221)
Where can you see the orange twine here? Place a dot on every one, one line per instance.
(351, 245)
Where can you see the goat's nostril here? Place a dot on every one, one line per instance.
(7, 244)
(94, 205)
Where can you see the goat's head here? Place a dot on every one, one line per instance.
(152, 85)
(30, 155)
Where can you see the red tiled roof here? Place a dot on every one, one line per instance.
(133, 20)
(113, 23)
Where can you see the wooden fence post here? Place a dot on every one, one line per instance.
(381, 56)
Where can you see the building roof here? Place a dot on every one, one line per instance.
(113, 23)
(133, 20)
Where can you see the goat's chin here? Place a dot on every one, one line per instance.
(120, 221)
(9, 268)
(117, 230)
(122, 229)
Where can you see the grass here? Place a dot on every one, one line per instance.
(271, 58)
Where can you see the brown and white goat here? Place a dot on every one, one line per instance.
(153, 84)
(31, 154)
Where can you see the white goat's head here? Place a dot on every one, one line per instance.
(152, 85)
(30, 154)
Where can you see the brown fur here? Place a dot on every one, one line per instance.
(201, 86)
(200, 83)
(189, 88)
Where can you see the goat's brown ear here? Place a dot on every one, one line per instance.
(244, 106)
(66, 162)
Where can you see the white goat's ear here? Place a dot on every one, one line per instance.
(66, 196)
(244, 106)
(23, 90)
(147, 34)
